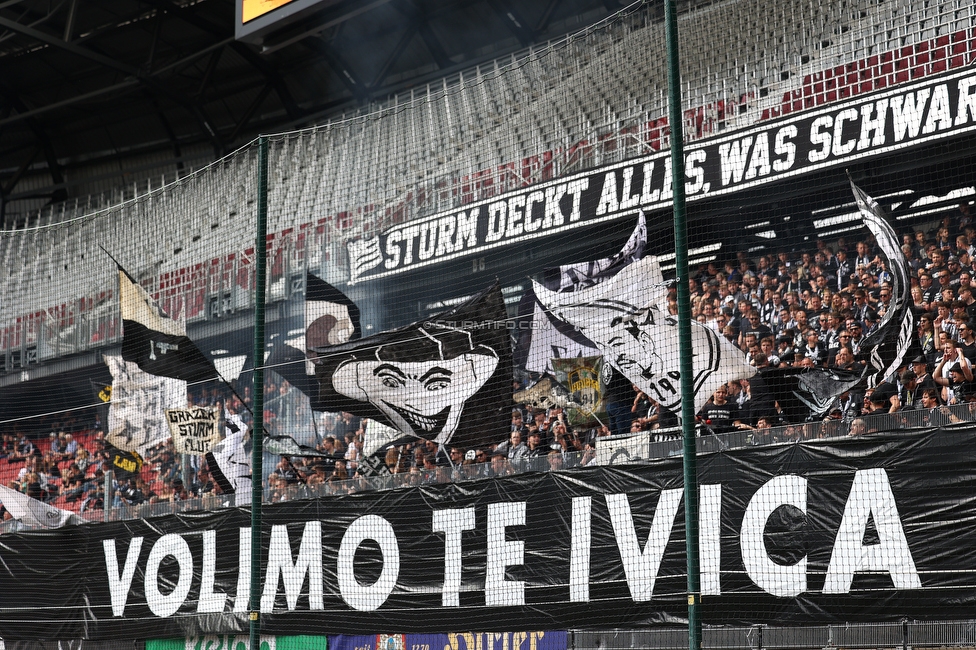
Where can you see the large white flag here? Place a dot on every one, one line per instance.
(137, 413)
(623, 317)
(34, 512)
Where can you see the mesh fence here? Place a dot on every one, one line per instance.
(471, 398)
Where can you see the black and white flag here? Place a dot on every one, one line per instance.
(888, 345)
(542, 337)
(137, 412)
(810, 392)
(33, 512)
(572, 277)
(623, 318)
(154, 341)
(447, 379)
(230, 461)
(331, 318)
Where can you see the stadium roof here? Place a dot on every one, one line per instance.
(113, 84)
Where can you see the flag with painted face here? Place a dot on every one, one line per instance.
(447, 379)
(623, 316)
(541, 336)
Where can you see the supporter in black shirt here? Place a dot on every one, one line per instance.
(719, 414)
(930, 291)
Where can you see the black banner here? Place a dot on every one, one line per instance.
(894, 119)
(871, 528)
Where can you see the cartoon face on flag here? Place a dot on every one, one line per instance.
(446, 379)
(542, 337)
(623, 318)
(423, 398)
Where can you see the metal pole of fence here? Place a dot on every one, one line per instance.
(257, 429)
(675, 122)
(108, 497)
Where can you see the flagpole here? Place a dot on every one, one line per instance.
(257, 439)
(675, 122)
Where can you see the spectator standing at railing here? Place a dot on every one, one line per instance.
(719, 414)
(883, 399)
(513, 448)
(958, 382)
(937, 415)
(908, 391)
(500, 465)
(534, 447)
(859, 427)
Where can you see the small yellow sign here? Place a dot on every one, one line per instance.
(251, 9)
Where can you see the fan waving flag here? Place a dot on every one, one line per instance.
(331, 318)
(622, 317)
(447, 379)
(154, 341)
(805, 392)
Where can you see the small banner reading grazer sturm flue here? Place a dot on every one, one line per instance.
(195, 430)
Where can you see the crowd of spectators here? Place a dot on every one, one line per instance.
(799, 308)
(815, 308)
